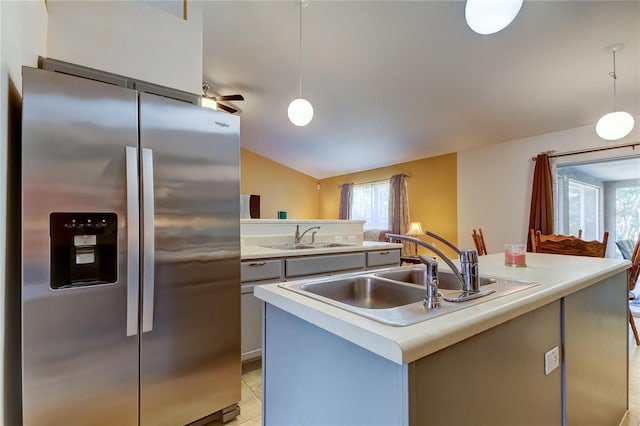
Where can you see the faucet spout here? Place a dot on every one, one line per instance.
(298, 236)
(448, 261)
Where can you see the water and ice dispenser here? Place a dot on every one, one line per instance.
(83, 249)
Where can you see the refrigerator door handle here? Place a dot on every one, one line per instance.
(148, 245)
(133, 240)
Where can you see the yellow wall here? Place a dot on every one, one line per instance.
(432, 190)
(279, 187)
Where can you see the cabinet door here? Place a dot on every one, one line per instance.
(251, 324)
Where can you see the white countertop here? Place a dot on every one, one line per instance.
(259, 252)
(558, 276)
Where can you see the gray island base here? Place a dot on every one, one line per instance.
(492, 375)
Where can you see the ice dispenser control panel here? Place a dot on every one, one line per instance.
(83, 249)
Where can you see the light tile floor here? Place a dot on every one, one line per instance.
(251, 403)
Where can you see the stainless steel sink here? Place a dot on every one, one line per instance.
(367, 292)
(302, 246)
(446, 280)
(289, 246)
(397, 301)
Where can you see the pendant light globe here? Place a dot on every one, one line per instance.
(615, 125)
(490, 16)
(300, 112)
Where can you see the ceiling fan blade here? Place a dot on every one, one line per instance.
(227, 109)
(230, 98)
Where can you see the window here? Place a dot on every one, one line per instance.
(370, 202)
(579, 207)
(627, 212)
(584, 209)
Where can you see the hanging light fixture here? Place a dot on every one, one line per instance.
(617, 124)
(491, 16)
(300, 110)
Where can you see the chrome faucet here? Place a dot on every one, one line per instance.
(298, 237)
(467, 275)
(429, 277)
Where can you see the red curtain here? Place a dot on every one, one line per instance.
(541, 213)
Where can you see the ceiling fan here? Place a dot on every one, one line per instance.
(216, 99)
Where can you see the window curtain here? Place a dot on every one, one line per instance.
(541, 213)
(345, 201)
(399, 209)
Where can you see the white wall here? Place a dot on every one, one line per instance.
(23, 27)
(494, 182)
(129, 38)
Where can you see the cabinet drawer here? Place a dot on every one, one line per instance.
(258, 270)
(383, 257)
(323, 264)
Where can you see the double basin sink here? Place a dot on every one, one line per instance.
(394, 296)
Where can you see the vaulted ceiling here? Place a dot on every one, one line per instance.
(393, 81)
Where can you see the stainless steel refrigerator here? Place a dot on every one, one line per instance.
(130, 256)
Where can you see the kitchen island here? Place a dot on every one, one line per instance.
(490, 363)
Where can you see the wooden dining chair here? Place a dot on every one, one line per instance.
(634, 272)
(550, 237)
(478, 241)
(568, 244)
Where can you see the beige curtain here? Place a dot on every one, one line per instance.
(345, 201)
(399, 209)
(541, 213)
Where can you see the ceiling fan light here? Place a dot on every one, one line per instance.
(300, 112)
(491, 16)
(615, 125)
(209, 103)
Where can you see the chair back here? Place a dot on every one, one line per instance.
(478, 241)
(567, 244)
(550, 237)
(626, 248)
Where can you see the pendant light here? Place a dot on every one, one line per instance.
(617, 124)
(300, 110)
(491, 16)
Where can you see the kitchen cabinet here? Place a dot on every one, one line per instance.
(254, 273)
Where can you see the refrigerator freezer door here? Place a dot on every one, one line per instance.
(79, 365)
(190, 358)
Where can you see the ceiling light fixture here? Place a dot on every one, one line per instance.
(617, 124)
(300, 110)
(491, 16)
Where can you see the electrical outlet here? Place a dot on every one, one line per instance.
(351, 238)
(551, 360)
(338, 238)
